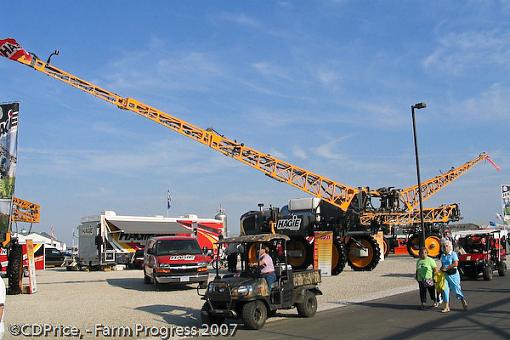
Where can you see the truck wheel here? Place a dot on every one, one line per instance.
(365, 263)
(202, 284)
(14, 269)
(208, 319)
(487, 273)
(502, 269)
(254, 314)
(146, 278)
(302, 247)
(433, 245)
(308, 308)
(339, 258)
(413, 246)
(386, 246)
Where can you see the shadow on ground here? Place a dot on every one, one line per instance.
(138, 284)
(175, 315)
(399, 275)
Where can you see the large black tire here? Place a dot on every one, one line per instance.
(366, 263)
(413, 245)
(502, 269)
(209, 319)
(15, 269)
(386, 247)
(300, 245)
(487, 273)
(339, 256)
(308, 308)
(254, 314)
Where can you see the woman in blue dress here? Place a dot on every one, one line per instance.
(449, 264)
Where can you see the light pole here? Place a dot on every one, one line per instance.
(418, 106)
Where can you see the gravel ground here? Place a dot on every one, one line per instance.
(120, 298)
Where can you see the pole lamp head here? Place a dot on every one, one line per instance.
(419, 106)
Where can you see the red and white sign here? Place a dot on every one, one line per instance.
(10, 48)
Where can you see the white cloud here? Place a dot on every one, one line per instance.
(490, 105)
(242, 20)
(277, 154)
(299, 152)
(268, 69)
(151, 158)
(456, 52)
(327, 77)
(330, 149)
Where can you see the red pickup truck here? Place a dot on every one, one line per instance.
(175, 260)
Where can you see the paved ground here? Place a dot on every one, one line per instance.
(120, 298)
(397, 317)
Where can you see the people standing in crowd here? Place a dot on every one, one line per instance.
(445, 237)
(449, 264)
(232, 252)
(425, 269)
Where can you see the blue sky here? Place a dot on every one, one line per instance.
(326, 85)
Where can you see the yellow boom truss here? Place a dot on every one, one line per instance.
(331, 191)
(441, 214)
(409, 196)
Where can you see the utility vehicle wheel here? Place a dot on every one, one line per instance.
(413, 245)
(339, 258)
(209, 319)
(308, 308)
(487, 273)
(502, 269)
(146, 278)
(369, 259)
(300, 253)
(15, 269)
(254, 314)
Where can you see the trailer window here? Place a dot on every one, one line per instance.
(167, 247)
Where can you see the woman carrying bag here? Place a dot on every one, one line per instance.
(425, 268)
(449, 263)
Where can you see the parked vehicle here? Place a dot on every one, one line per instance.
(137, 260)
(53, 257)
(175, 260)
(482, 252)
(111, 239)
(246, 295)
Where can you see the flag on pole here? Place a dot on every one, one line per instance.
(168, 200)
(10, 48)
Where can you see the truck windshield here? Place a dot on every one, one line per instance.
(167, 247)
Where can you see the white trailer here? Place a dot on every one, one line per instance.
(110, 239)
